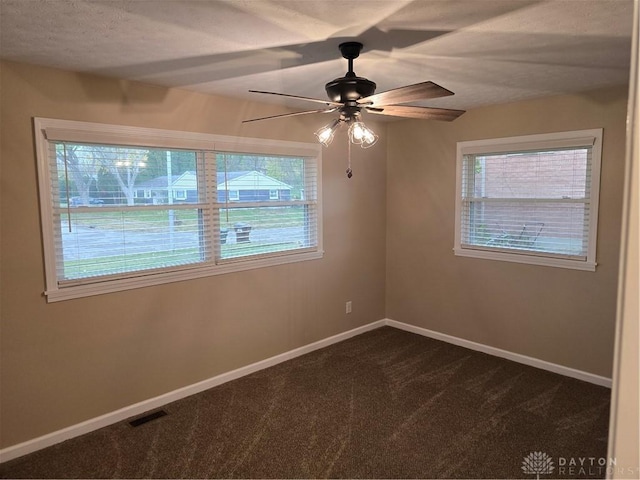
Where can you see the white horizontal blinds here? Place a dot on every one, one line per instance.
(535, 202)
(122, 209)
(310, 196)
(267, 204)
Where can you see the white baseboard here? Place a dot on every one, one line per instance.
(497, 352)
(93, 424)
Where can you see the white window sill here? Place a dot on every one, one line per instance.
(110, 286)
(528, 259)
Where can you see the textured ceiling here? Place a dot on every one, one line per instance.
(486, 51)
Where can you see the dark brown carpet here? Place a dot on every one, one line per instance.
(385, 404)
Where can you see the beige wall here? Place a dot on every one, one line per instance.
(70, 361)
(561, 316)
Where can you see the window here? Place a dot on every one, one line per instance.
(531, 199)
(110, 222)
(273, 194)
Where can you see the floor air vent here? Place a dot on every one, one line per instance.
(147, 418)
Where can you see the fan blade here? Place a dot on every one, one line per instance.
(308, 99)
(304, 112)
(409, 93)
(426, 113)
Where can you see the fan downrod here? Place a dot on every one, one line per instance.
(350, 88)
(350, 50)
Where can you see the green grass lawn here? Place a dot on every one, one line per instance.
(115, 264)
(252, 248)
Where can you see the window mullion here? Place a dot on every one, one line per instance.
(211, 220)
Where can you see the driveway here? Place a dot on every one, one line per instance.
(86, 243)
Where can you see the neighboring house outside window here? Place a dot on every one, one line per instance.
(251, 185)
(139, 193)
(109, 225)
(530, 199)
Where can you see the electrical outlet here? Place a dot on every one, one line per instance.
(348, 307)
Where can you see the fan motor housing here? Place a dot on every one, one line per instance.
(349, 88)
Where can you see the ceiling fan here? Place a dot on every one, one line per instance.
(350, 95)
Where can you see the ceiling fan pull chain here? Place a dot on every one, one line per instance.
(349, 171)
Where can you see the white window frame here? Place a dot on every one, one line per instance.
(528, 143)
(233, 195)
(47, 130)
(274, 194)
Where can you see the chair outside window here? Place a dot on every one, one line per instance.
(525, 239)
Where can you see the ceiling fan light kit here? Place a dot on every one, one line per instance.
(326, 133)
(359, 134)
(350, 95)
